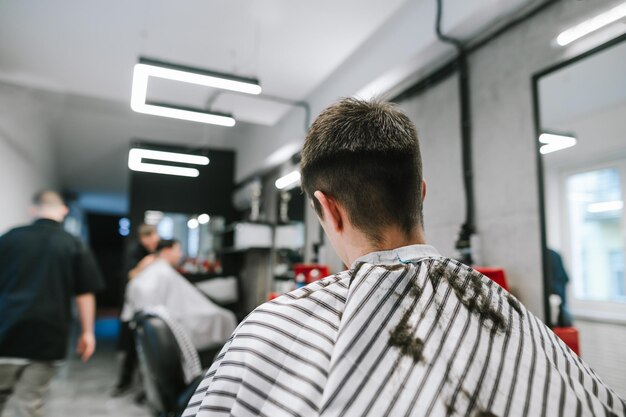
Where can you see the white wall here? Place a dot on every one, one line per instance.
(555, 209)
(436, 115)
(602, 347)
(26, 148)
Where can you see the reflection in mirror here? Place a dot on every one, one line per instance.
(289, 238)
(199, 236)
(582, 141)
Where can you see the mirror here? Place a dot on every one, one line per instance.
(581, 142)
(199, 236)
(289, 238)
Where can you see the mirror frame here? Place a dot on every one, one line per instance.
(547, 282)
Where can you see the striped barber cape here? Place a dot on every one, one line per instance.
(403, 333)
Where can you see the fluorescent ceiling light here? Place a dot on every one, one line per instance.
(203, 218)
(282, 154)
(147, 68)
(198, 76)
(136, 156)
(192, 224)
(553, 142)
(605, 206)
(181, 113)
(153, 217)
(588, 26)
(290, 179)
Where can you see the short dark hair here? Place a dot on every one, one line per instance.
(44, 197)
(146, 229)
(366, 155)
(166, 243)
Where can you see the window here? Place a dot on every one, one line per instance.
(596, 234)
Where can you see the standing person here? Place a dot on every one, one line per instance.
(141, 254)
(138, 258)
(560, 279)
(42, 270)
(405, 331)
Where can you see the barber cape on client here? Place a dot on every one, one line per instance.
(159, 284)
(405, 331)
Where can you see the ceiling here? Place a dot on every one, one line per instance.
(88, 47)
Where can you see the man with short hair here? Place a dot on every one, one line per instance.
(42, 270)
(403, 332)
(142, 254)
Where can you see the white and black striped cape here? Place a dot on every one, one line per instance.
(403, 333)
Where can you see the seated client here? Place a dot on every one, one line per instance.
(403, 332)
(159, 284)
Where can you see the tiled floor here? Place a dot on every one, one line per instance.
(82, 390)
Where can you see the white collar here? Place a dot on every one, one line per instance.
(403, 254)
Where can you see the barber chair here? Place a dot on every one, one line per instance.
(160, 361)
(497, 275)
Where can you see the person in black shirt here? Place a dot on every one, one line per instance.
(42, 270)
(140, 255)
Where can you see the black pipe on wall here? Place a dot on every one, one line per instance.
(468, 228)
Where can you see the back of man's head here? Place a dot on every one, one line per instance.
(48, 204)
(169, 250)
(366, 156)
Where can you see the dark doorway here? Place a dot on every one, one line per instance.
(108, 247)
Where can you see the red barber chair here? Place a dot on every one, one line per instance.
(569, 335)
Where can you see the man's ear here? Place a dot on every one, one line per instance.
(423, 190)
(331, 211)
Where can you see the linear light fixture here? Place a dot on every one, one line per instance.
(605, 206)
(153, 217)
(147, 68)
(282, 154)
(591, 25)
(136, 156)
(555, 142)
(288, 180)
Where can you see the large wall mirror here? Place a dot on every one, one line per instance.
(581, 132)
(199, 235)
